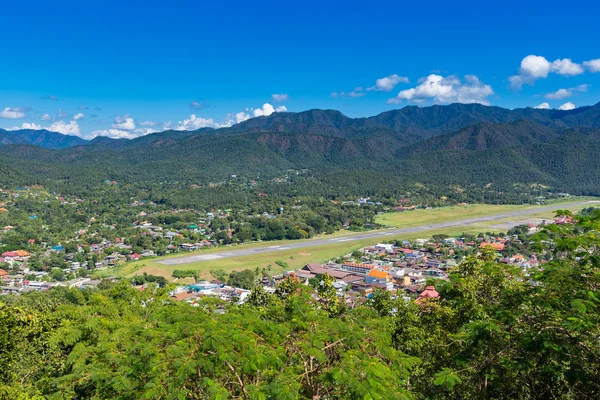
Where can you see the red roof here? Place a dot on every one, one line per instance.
(428, 293)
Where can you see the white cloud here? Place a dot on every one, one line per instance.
(281, 97)
(543, 106)
(537, 67)
(46, 117)
(559, 94)
(78, 116)
(71, 128)
(389, 82)
(193, 123)
(566, 67)
(447, 90)
(113, 133)
(567, 106)
(267, 109)
(13, 113)
(27, 125)
(241, 117)
(124, 123)
(581, 88)
(61, 114)
(148, 123)
(592, 65)
(564, 93)
(83, 107)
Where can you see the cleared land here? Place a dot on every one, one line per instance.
(414, 224)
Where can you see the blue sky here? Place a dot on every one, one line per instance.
(123, 70)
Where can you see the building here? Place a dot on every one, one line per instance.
(428, 293)
(360, 268)
(380, 278)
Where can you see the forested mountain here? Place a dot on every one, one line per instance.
(455, 144)
(41, 138)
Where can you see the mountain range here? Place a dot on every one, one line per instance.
(453, 144)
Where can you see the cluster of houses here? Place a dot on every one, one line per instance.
(193, 293)
(17, 284)
(405, 270)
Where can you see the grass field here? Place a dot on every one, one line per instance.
(446, 214)
(296, 258)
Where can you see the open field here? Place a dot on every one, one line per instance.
(446, 214)
(416, 224)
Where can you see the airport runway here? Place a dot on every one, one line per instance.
(382, 233)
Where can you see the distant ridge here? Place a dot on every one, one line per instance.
(40, 138)
(438, 145)
(410, 125)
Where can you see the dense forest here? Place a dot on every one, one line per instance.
(495, 332)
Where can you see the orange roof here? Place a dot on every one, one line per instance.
(22, 253)
(495, 246)
(375, 273)
(366, 266)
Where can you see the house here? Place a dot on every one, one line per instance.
(355, 267)
(428, 293)
(495, 246)
(384, 247)
(134, 256)
(434, 263)
(380, 278)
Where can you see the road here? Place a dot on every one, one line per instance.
(194, 258)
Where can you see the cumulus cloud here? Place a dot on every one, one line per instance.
(566, 67)
(446, 90)
(14, 112)
(148, 123)
(267, 109)
(559, 94)
(281, 97)
(592, 65)
(537, 67)
(78, 116)
(567, 106)
(112, 133)
(388, 83)
(124, 123)
(564, 93)
(543, 106)
(61, 114)
(27, 125)
(241, 117)
(70, 128)
(193, 123)
(46, 117)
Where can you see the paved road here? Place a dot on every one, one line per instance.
(369, 235)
